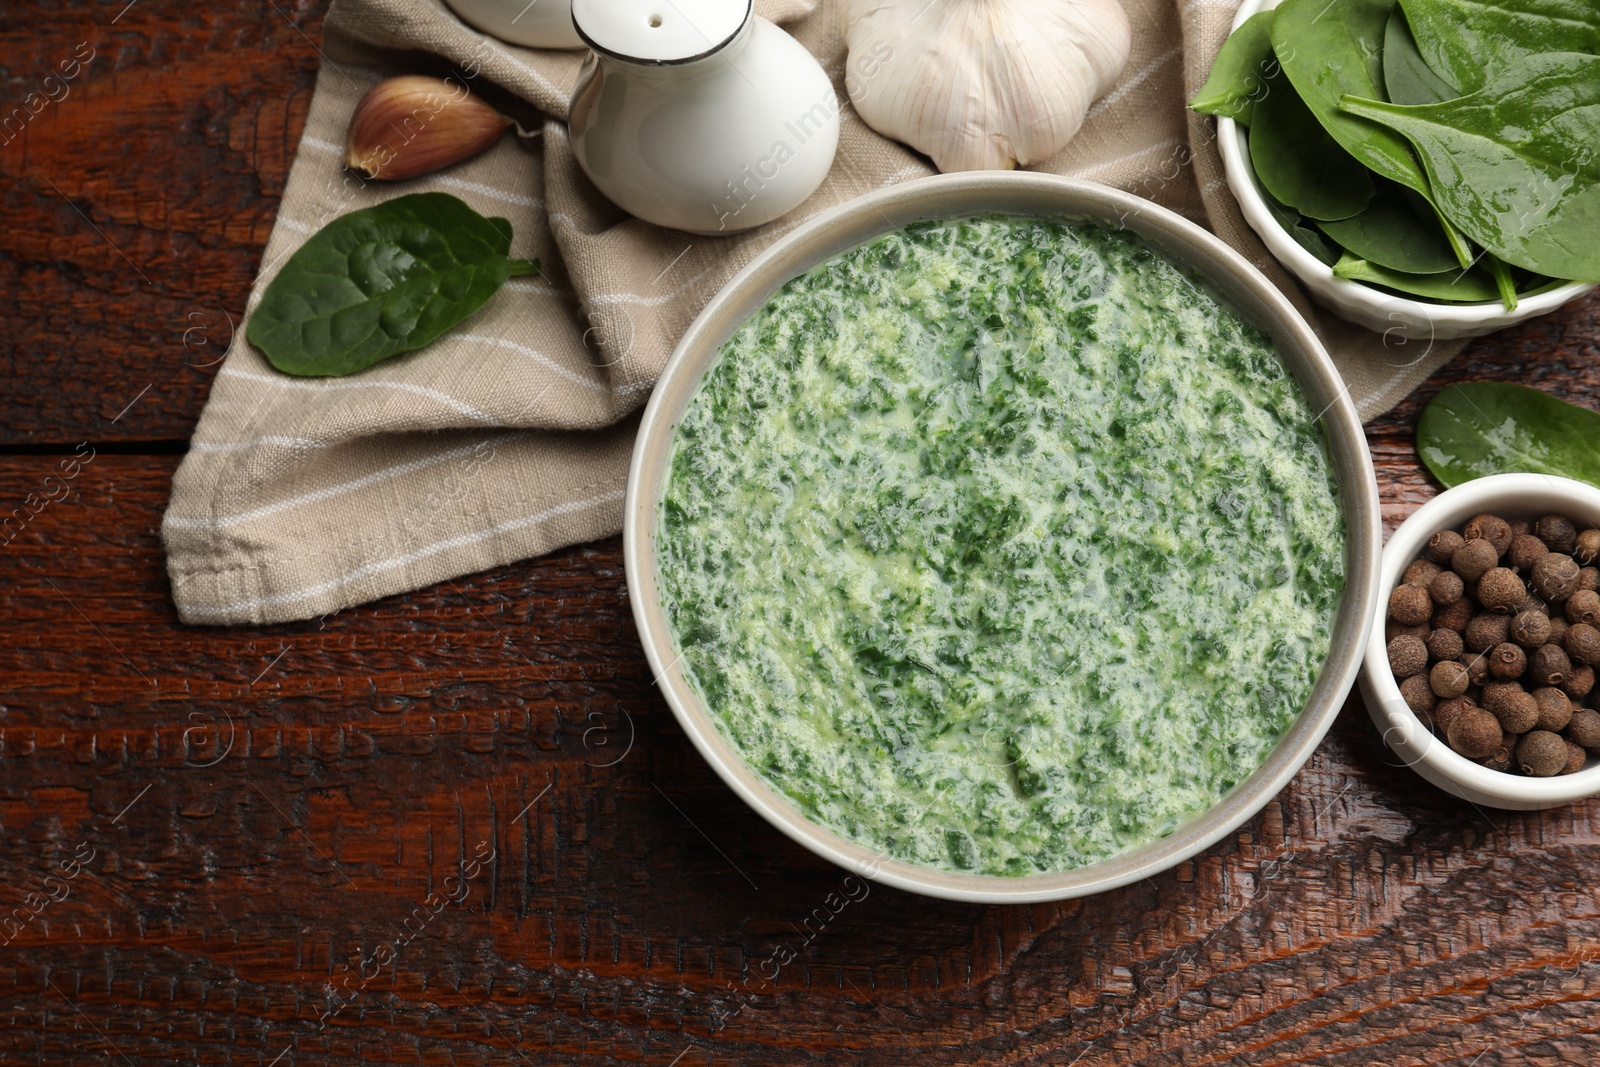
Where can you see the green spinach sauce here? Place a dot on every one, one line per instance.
(1000, 545)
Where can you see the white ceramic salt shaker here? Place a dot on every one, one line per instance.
(534, 23)
(698, 114)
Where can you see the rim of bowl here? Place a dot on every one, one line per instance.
(962, 195)
(1242, 182)
(1544, 494)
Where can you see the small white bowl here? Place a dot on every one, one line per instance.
(1514, 496)
(1382, 312)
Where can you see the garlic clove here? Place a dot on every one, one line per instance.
(415, 125)
(982, 84)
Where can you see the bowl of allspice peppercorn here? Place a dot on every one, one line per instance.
(1480, 671)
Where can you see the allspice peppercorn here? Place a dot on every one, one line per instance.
(1518, 713)
(1418, 694)
(1474, 559)
(1491, 528)
(1446, 588)
(1555, 577)
(1558, 630)
(1443, 545)
(1582, 644)
(1530, 629)
(1580, 683)
(1583, 606)
(1454, 617)
(1448, 679)
(1501, 591)
(1444, 644)
(1541, 754)
(1555, 710)
(1392, 630)
(1446, 711)
(1407, 656)
(1589, 579)
(1525, 551)
(1501, 760)
(1558, 532)
(1421, 572)
(1586, 547)
(1497, 695)
(1584, 729)
(1486, 630)
(1506, 661)
(1477, 665)
(1576, 758)
(1474, 733)
(1410, 605)
(1549, 665)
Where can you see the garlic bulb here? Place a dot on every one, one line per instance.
(982, 84)
(414, 125)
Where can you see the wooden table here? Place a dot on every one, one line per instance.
(245, 846)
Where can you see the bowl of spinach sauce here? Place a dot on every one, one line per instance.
(1002, 537)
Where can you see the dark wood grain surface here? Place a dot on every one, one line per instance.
(247, 846)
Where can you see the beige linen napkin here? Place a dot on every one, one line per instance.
(510, 436)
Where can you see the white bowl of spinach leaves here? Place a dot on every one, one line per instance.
(1425, 167)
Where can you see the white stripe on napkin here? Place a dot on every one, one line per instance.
(265, 439)
(287, 382)
(244, 607)
(539, 357)
(213, 522)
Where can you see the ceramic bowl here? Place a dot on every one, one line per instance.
(956, 196)
(1362, 304)
(1512, 495)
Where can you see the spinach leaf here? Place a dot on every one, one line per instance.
(1407, 78)
(1239, 73)
(1482, 428)
(1334, 48)
(381, 281)
(1470, 41)
(1514, 165)
(1501, 272)
(1297, 162)
(1391, 233)
(1304, 236)
(1456, 286)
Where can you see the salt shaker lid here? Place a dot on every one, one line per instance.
(659, 31)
